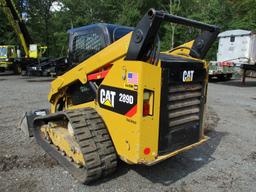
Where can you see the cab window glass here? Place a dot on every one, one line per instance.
(86, 45)
(3, 52)
(120, 32)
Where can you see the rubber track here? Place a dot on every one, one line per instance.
(95, 143)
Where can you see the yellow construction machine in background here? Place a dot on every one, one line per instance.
(31, 52)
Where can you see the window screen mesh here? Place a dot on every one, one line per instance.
(87, 45)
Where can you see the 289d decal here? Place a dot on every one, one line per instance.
(125, 98)
(119, 100)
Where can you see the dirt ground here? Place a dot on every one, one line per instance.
(227, 162)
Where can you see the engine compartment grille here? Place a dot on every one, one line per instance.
(182, 119)
(182, 102)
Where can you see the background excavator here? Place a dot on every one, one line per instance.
(127, 99)
(32, 53)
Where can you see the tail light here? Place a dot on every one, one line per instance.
(148, 101)
(146, 108)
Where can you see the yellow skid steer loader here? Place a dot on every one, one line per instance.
(127, 99)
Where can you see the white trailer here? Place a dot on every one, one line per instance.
(238, 46)
(237, 49)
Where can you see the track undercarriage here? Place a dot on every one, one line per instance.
(80, 136)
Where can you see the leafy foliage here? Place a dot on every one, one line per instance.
(7, 35)
(49, 27)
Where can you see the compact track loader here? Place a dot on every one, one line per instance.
(127, 100)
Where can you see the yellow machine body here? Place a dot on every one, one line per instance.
(135, 137)
(36, 51)
(126, 98)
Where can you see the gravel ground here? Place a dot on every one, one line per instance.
(227, 162)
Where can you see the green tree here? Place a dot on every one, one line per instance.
(40, 21)
(7, 34)
(244, 15)
(49, 27)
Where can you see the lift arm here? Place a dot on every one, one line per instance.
(145, 33)
(17, 24)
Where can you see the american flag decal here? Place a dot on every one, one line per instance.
(132, 78)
